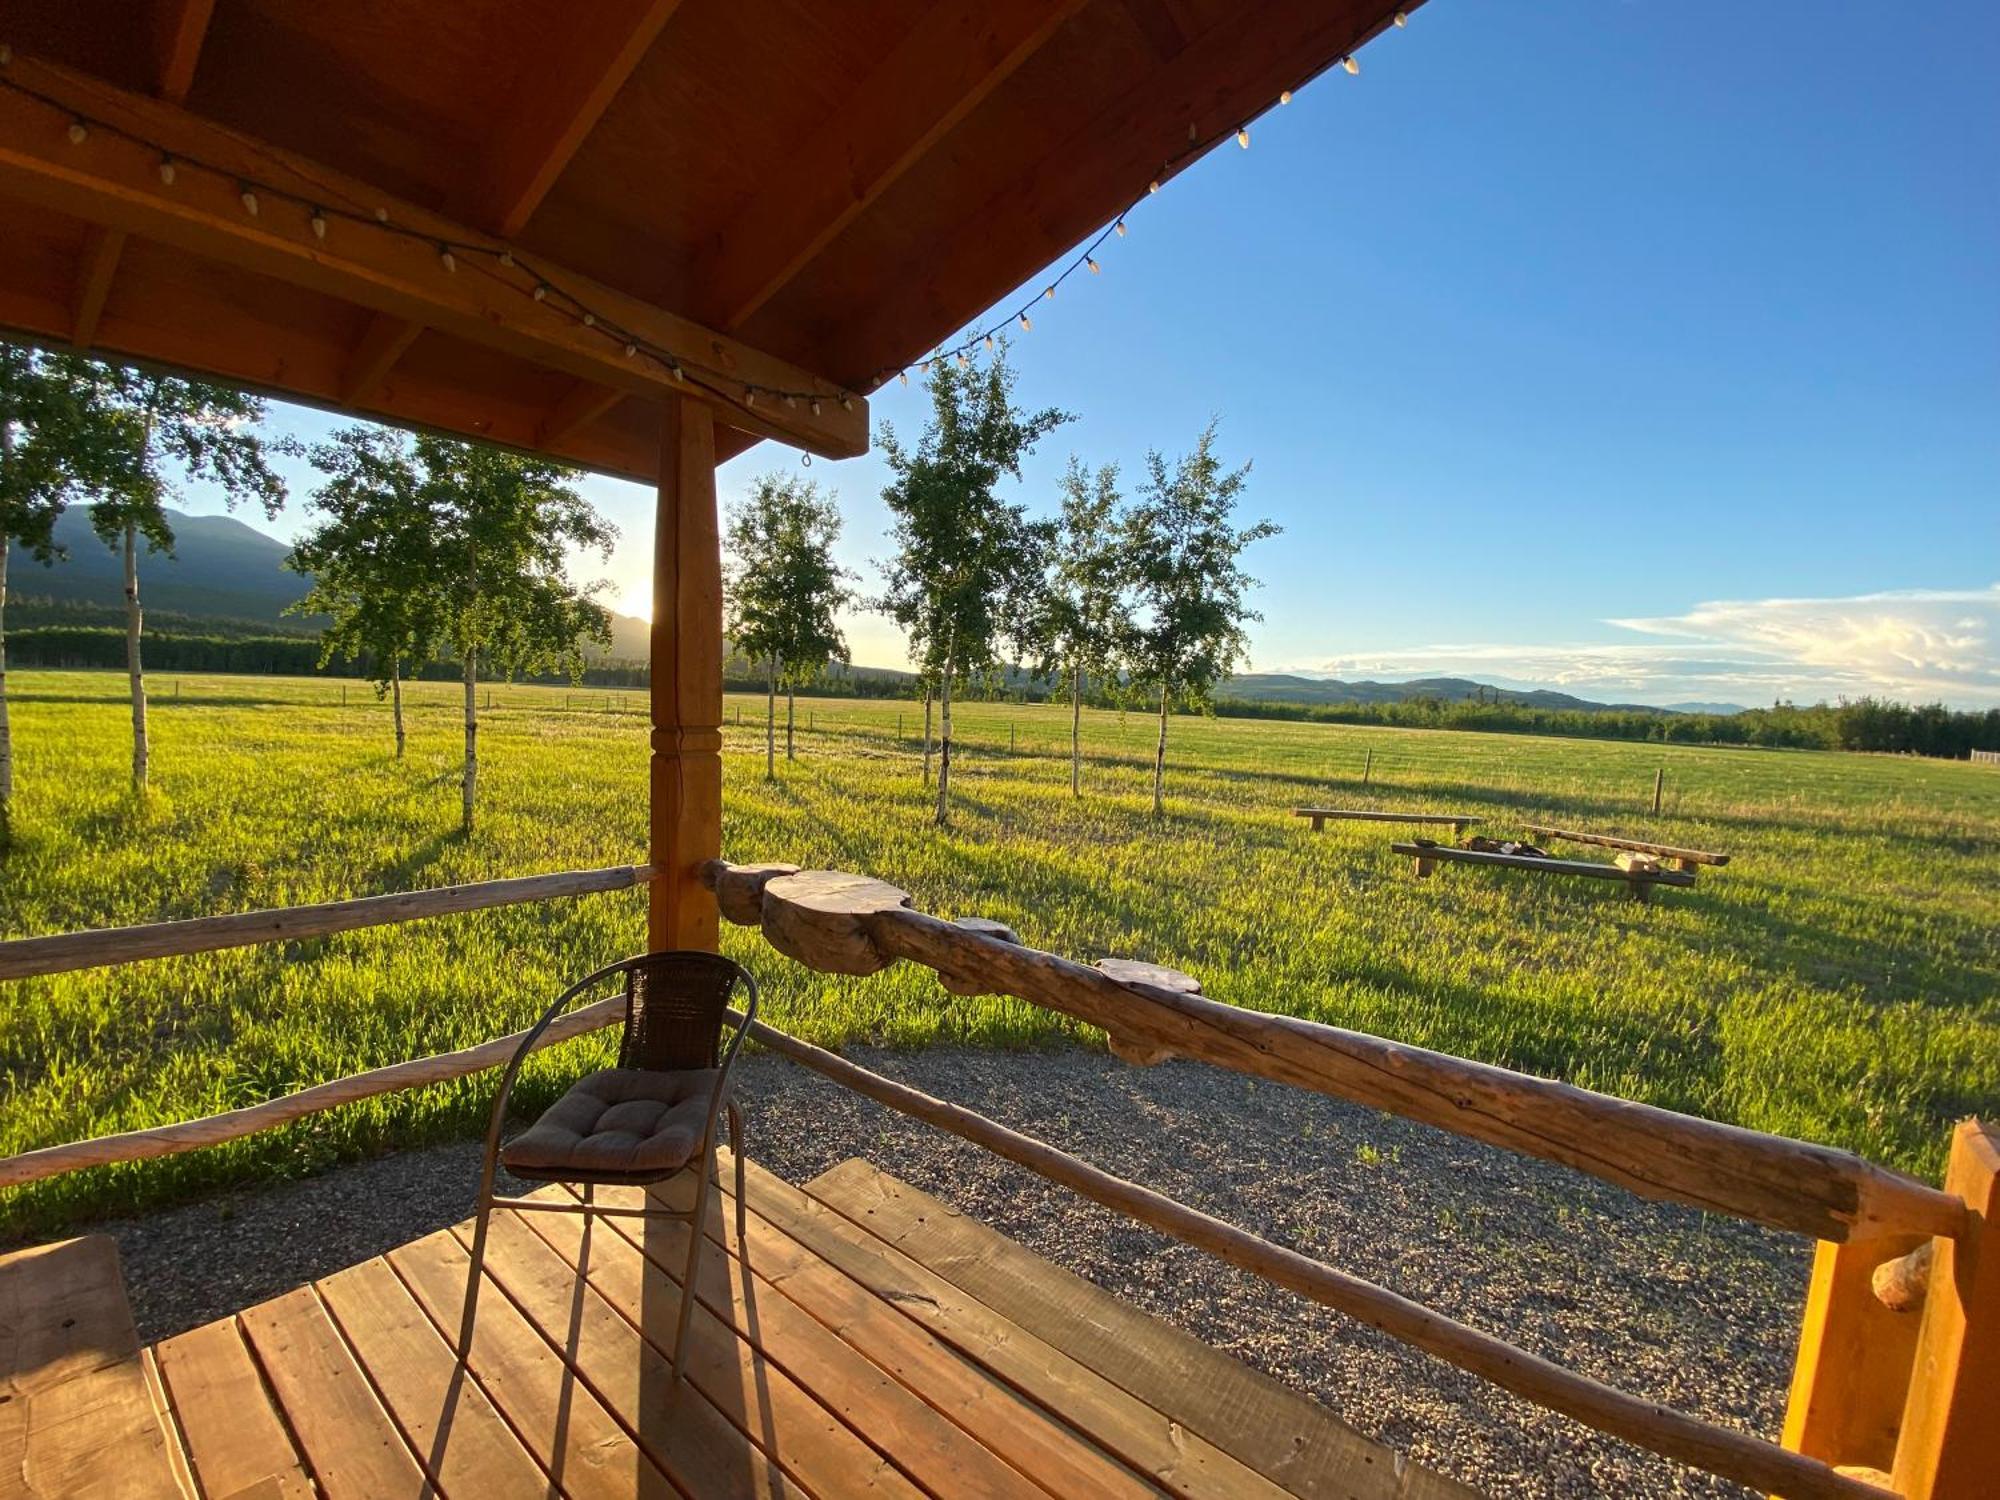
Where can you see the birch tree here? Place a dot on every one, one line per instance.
(501, 526)
(1190, 584)
(53, 434)
(1085, 617)
(967, 573)
(372, 557)
(166, 427)
(784, 589)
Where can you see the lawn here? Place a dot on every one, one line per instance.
(1840, 981)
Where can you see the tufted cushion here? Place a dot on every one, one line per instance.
(621, 1125)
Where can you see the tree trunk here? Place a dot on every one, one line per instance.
(471, 738)
(791, 720)
(1160, 759)
(1076, 733)
(132, 664)
(927, 735)
(6, 732)
(771, 723)
(396, 696)
(944, 751)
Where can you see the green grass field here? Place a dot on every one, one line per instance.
(1840, 981)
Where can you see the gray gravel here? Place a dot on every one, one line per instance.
(1698, 1312)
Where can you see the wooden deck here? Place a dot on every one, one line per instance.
(860, 1339)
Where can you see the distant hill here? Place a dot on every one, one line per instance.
(1282, 687)
(1707, 708)
(221, 573)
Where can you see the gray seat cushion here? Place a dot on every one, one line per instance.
(620, 1125)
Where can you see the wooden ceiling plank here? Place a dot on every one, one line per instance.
(180, 26)
(375, 353)
(1227, 74)
(110, 179)
(954, 57)
(585, 74)
(580, 407)
(96, 264)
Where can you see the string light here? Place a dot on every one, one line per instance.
(78, 132)
(1092, 263)
(989, 343)
(1120, 227)
(167, 170)
(904, 376)
(541, 292)
(1153, 186)
(815, 408)
(1352, 64)
(590, 320)
(1243, 137)
(1402, 18)
(249, 201)
(507, 259)
(1284, 96)
(631, 351)
(1049, 291)
(318, 222)
(962, 360)
(1027, 324)
(446, 259)
(381, 216)
(749, 396)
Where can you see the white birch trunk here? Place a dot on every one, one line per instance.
(771, 722)
(927, 736)
(944, 751)
(6, 731)
(1076, 733)
(396, 697)
(791, 721)
(1160, 760)
(133, 668)
(471, 780)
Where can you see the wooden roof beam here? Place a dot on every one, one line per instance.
(581, 406)
(178, 27)
(957, 55)
(395, 267)
(381, 344)
(544, 130)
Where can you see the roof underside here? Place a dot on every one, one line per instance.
(841, 186)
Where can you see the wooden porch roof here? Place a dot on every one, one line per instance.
(800, 197)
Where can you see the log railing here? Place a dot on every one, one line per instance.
(1904, 1411)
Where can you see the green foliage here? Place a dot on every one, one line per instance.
(53, 432)
(1836, 982)
(783, 584)
(1084, 618)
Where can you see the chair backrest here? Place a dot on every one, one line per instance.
(674, 1003)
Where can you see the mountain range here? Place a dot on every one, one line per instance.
(229, 573)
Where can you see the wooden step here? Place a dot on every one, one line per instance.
(1288, 1437)
(77, 1417)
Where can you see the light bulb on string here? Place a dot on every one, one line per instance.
(846, 403)
(962, 360)
(1284, 96)
(1091, 261)
(815, 408)
(446, 258)
(1026, 323)
(904, 376)
(381, 216)
(590, 320)
(318, 222)
(631, 351)
(674, 369)
(507, 259)
(1352, 65)
(78, 132)
(1120, 227)
(1402, 18)
(249, 201)
(1049, 291)
(989, 343)
(1243, 137)
(749, 396)
(541, 291)
(1153, 186)
(167, 170)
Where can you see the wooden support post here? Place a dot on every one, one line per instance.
(686, 780)
(1367, 765)
(1659, 786)
(1950, 1443)
(1853, 1364)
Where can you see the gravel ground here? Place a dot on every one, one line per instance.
(1665, 1302)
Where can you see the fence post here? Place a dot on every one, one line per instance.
(1852, 1371)
(1659, 785)
(1010, 736)
(1950, 1443)
(1368, 765)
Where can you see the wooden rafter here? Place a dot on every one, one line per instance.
(375, 353)
(585, 71)
(1223, 76)
(179, 26)
(582, 405)
(112, 181)
(950, 61)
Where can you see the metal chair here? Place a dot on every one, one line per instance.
(637, 1123)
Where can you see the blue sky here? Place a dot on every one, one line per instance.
(1646, 349)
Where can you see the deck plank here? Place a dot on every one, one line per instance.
(353, 1449)
(557, 1417)
(236, 1442)
(759, 1397)
(445, 1418)
(1158, 1447)
(936, 1455)
(76, 1418)
(1063, 1460)
(1285, 1435)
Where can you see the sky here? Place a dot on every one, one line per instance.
(1645, 349)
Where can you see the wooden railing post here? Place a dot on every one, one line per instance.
(1950, 1443)
(1853, 1366)
(686, 772)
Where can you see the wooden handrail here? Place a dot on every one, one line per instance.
(212, 1130)
(1749, 1460)
(23, 958)
(849, 924)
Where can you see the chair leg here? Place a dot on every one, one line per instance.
(698, 1232)
(736, 1151)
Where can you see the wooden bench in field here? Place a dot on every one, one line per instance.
(1639, 877)
(77, 1414)
(1321, 816)
(1687, 859)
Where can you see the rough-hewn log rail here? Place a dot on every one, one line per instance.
(1735, 1455)
(213, 1130)
(23, 958)
(848, 924)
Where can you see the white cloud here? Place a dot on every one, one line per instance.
(1912, 644)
